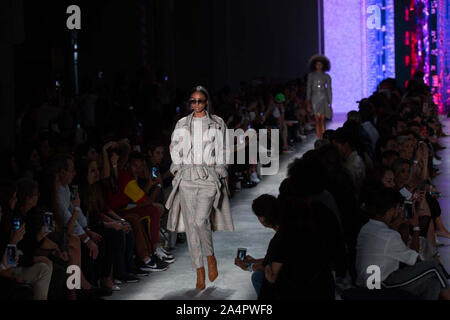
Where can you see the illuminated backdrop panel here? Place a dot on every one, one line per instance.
(360, 42)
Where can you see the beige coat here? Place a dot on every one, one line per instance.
(221, 219)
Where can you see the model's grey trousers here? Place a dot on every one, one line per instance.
(196, 200)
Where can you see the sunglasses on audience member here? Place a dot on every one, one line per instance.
(193, 101)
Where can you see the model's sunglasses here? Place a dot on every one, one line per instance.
(193, 101)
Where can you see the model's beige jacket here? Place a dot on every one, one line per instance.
(221, 219)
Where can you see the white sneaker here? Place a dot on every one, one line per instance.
(436, 162)
(115, 288)
(254, 178)
(308, 127)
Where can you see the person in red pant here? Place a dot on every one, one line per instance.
(132, 204)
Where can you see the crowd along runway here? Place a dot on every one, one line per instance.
(178, 282)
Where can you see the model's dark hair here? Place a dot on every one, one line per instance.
(202, 90)
(319, 58)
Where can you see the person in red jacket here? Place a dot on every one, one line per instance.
(132, 204)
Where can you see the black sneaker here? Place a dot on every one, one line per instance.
(139, 272)
(154, 265)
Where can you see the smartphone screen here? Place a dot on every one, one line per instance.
(155, 172)
(16, 223)
(242, 253)
(73, 192)
(12, 255)
(48, 221)
(409, 214)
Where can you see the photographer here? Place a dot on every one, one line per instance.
(380, 245)
(266, 210)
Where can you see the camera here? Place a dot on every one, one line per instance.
(241, 253)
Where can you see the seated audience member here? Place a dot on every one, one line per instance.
(69, 211)
(265, 208)
(132, 204)
(35, 242)
(352, 161)
(117, 232)
(379, 245)
(159, 173)
(39, 270)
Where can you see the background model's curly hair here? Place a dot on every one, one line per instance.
(316, 58)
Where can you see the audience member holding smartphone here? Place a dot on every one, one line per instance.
(38, 271)
(381, 245)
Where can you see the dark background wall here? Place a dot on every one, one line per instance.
(225, 41)
(212, 42)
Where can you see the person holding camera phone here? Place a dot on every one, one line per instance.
(379, 244)
(265, 209)
(38, 271)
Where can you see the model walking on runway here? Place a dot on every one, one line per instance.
(319, 92)
(199, 203)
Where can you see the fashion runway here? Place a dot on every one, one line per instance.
(178, 282)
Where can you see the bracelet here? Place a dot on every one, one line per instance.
(250, 266)
(416, 229)
(87, 239)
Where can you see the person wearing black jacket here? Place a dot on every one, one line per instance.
(35, 242)
(36, 271)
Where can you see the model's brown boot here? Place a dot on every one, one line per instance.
(201, 278)
(212, 268)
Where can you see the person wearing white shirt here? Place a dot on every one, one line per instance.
(379, 244)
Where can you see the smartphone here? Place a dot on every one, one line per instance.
(12, 255)
(241, 253)
(16, 223)
(155, 172)
(48, 221)
(408, 209)
(73, 192)
(166, 78)
(139, 129)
